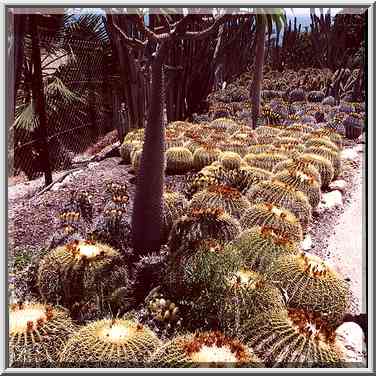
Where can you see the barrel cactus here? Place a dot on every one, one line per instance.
(200, 224)
(266, 161)
(37, 333)
(354, 125)
(179, 160)
(321, 141)
(329, 154)
(279, 219)
(110, 342)
(259, 246)
(315, 96)
(301, 182)
(205, 155)
(204, 349)
(230, 160)
(81, 270)
(294, 338)
(312, 284)
(323, 166)
(220, 196)
(278, 193)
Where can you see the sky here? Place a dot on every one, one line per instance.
(305, 11)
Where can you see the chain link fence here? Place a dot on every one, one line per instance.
(80, 96)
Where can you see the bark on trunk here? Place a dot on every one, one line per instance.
(259, 63)
(147, 218)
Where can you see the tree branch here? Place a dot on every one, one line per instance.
(197, 35)
(133, 42)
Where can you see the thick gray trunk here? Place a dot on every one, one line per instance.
(147, 219)
(259, 64)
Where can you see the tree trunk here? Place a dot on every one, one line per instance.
(259, 63)
(147, 217)
(39, 102)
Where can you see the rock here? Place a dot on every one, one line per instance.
(77, 172)
(339, 185)
(350, 338)
(359, 148)
(330, 200)
(92, 165)
(350, 154)
(81, 159)
(306, 244)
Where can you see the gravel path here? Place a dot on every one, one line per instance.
(346, 247)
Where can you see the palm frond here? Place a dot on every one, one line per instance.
(25, 117)
(57, 90)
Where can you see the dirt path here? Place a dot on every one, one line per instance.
(346, 246)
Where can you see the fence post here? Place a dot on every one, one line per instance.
(39, 101)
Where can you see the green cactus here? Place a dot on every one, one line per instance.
(300, 128)
(323, 166)
(294, 338)
(179, 160)
(200, 266)
(204, 349)
(200, 224)
(230, 160)
(279, 219)
(260, 148)
(266, 161)
(333, 136)
(312, 284)
(321, 141)
(127, 148)
(301, 182)
(80, 270)
(278, 193)
(198, 182)
(37, 333)
(260, 246)
(246, 297)
(174, 206)
(117, 342)
(220, 196)
(204, 156)
(298, 165)
(226, 124)
(332, 156)
(136, 159)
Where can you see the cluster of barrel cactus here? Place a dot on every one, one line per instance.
(231, 264)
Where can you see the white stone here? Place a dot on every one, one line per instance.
(306, 244)
(350, 154)
(92, 165)
(77, 172)
(350, 338)
(339, 185)
(331, 200)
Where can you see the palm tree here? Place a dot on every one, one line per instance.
(266, 19)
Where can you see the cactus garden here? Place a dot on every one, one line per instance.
(212, 235)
